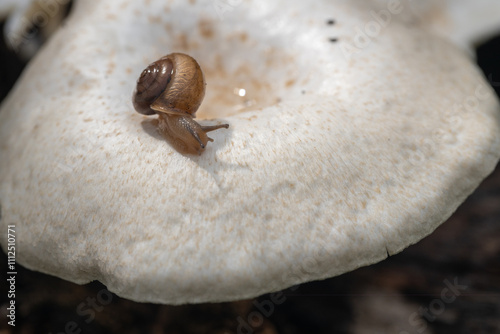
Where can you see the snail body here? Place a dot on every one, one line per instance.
(174, 87)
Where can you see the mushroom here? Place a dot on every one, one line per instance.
(348, 141)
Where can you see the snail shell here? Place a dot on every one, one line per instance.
(174, 87)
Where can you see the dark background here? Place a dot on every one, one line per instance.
(402, 294)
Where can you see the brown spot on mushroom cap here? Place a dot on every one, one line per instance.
(155, 19)
(223, 91)
(243, 36)
(243, 88)
(290, 82)
(206, 28)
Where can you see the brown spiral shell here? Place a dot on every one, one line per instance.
(174, 87)
(174, 84)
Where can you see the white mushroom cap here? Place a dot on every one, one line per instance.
(337, 156)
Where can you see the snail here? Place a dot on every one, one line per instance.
(173, 87)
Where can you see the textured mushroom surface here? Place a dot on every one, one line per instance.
(347, 142)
